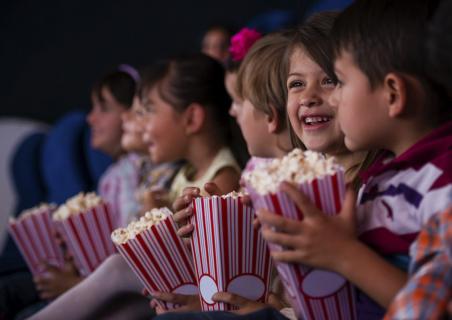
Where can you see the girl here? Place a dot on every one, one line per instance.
(259, 108)
(111, 97)
(187, 106)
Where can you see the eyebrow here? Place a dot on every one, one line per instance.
(295, 74)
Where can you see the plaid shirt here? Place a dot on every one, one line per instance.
(429, 288)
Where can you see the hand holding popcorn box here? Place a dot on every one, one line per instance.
(85, 223)
(157, 255)
(315, 293)
(34, 234)
(230, 254)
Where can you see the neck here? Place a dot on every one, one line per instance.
(408, 137)
(201, 153)
(351, 162)
(282, 144)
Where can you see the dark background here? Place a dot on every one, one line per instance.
(52, 51)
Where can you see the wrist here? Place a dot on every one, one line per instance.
(346, 262)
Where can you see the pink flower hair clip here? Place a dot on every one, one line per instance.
(241, 42)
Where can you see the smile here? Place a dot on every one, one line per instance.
(313, 120)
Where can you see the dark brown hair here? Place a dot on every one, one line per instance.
(196, 78)
(388, 36)
(121, 85)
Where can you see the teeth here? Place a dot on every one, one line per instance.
(312, 120)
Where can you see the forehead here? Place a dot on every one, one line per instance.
(302, 63)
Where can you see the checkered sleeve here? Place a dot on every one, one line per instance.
(428, 290)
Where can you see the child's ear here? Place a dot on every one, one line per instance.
(395, 89)
(194, 115)
(273, 121)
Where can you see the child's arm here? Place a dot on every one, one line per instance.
(330, 243)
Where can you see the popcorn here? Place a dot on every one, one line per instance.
(76, 205)
(34, 234)
(33, 211)
(296, 167)
(150, 218)
(234, 194)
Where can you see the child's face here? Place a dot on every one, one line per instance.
(252, 122)
(360, 108)
(164, 131)
(313, 119)
(215, 44)
(105, 122)
(133, 128)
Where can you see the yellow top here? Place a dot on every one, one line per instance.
(223, 159)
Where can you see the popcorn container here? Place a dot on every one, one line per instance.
(161, 261)
(229, 253)
(35, 237)
(87, 236)
(315, 293)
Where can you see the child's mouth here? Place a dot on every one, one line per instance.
(315, 120)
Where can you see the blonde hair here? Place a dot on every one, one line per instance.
(262, 75)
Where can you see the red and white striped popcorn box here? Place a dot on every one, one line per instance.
(35, 237)
(87, 236)
(160, 259)
(229, 253)
(315, 293)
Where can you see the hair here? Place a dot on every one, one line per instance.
(121, 85)
(439, 46)
(196, 78)
(313, 37)
(387, 36)
(262, 75)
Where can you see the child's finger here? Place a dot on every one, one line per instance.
(301, 200)
(288, 256)
(282, 239)
(185, 230)
(280, 223)
(212, 189)
(229, 298)
(349, 205)
(182, 215)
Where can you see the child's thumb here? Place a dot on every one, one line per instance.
(349, 206)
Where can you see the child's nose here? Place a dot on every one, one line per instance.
(310, 101)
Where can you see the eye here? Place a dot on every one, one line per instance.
(295, 84)
(339, 83)
(328, 82)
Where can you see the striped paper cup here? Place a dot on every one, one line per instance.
(229, 253)
(315, 294)
(161, 261)
(87, 236)
(35, 237)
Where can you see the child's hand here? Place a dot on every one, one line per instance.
(184, 211)
(318, 240)
(182, 302)
(154, 198)
(245, 305)
(55, 281)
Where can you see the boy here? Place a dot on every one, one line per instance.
(385, 101)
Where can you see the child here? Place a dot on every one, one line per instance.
(427, 293)
(111, 97)
(382, 100)
(215, 43)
